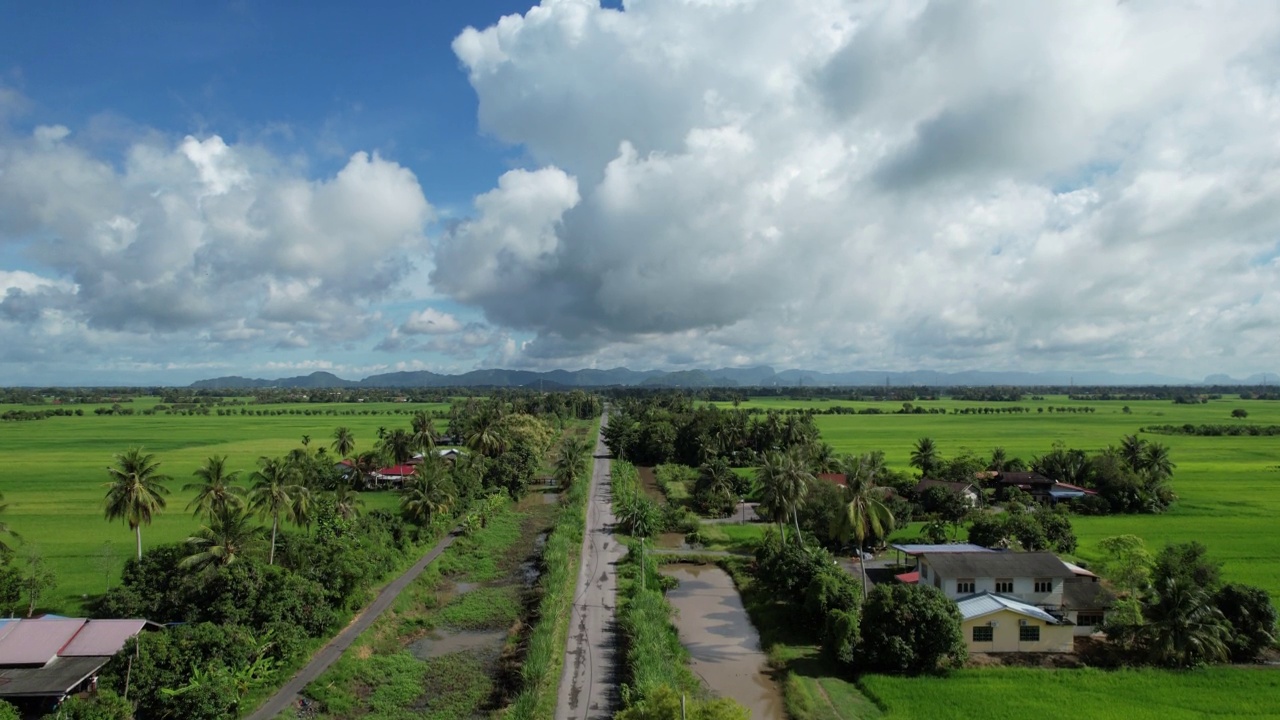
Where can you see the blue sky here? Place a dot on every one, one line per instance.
(270, 188)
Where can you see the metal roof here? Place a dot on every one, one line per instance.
(985, 603)
(55, 679)
(911, 549)
(102, 637)
(36, 641)
(1086, 595)
(997, 564)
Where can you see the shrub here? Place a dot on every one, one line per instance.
(910, 629)
(1252, 618)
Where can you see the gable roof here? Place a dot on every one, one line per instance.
(955, 487)
(102, 637)
(923, 549)
(1023, 478)
(1086, 595)
(985, 603)
(997, 564)
(36, 641)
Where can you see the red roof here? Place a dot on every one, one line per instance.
(37, 641)
(837, 478)
(397, 470)
(102, 637)
(910, 578)
(1077, 488)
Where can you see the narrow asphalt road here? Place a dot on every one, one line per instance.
(588, 685)
(332, 651)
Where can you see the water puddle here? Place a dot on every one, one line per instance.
(671, 540)
(723, 645)
(462, 588)
(439, 643)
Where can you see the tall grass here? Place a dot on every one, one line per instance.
(652, 650)
(544, 656)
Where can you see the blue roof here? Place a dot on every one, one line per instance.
(985, 603)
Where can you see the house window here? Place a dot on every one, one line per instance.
(1044, 586)
(1029, 633)
(1004, 585)
(983, 633)
(1089, 619)
(964, 585)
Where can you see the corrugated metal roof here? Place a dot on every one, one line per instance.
(997, 564)
(36, 641)
(952, 548)
(102, 637)
(52, 680)
(985, 603)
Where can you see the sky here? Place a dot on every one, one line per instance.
(191, 190)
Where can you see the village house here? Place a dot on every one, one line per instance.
(997, 624)
(1036, 578)
(968, 491)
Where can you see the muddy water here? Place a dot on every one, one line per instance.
(673, 541)
(446, 642)
(723, 644)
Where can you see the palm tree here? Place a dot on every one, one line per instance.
(1155, 461)
(822, 458)
(570, 463)
(214, 493)
(717, 480)
(999, 460)
(925, 456)
(1183, 627)
(346, 502)
(485, 436)
(426, 494)
(398, 446)
(344, 442)
(300, 501)
(865, 513)
(5, 549)
(423, 434)
(1131, 450)
(135, 493)
(784, 482)
(229, 535)
(271, 496)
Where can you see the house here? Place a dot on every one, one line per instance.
(1039, 486)
(1030, 577)
(994, 623)
(834, 478)
(968, 491)
(45, 660)
(1085, 603)
(394, 475)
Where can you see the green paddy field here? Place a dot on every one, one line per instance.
(53, 474)
(1228, 487)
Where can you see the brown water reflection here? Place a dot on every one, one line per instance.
(723, 644)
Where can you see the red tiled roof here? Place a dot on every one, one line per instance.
(910, 578)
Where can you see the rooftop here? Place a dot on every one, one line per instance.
(997, 564)
(985, 603)
(920, 549)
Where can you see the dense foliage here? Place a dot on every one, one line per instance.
(910, 629)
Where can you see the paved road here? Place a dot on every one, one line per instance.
(588, 686)
(330, 653)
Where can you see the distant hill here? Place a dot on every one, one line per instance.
(1254, 379)
(762, 376)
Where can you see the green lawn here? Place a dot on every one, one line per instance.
(1017, 693)
(1229, 487)
(54, 469)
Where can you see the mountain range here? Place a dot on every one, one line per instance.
(761, 376)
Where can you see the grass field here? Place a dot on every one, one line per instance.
(1016, 693)
(1229, 487)
(54, 469)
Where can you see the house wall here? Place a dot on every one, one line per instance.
(1053, 638)
(1073, 616)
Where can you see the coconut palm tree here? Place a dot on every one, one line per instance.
(485, 435)
(1155, 461)
(300, 507)
(1183, 627)
(924, 456)
(135, 493)
(570, 463)
(5, 549)
(346, 502)
(822, 458)
(784, 482)
(865, 513)
(344, 442)
(423, 435)
(426, 494)
(397, 445)
(215, 492)
(1131, 450)
(716, 480)
(272, 495)
(230, 534)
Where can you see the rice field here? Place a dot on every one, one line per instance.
(54, 470)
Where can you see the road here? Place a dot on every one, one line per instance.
(330, 653)
(589, 683)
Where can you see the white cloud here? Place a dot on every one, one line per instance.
(846, 184)
(430, 321)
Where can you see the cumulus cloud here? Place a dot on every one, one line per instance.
(430, 321)
(202, 241)
(848, 184)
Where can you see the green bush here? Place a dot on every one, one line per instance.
(909, 629)
(664, 703)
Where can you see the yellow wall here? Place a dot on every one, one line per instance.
(1053, 638)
